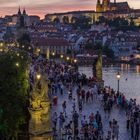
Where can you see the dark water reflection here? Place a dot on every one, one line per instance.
(129, 82)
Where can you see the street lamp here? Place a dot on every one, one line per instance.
(118, 76)
(17, 64)
(75, 60)
(1, 44)
(38, 76)
(18, 54)
(68, 58)
(61, 55)
(29, 48)
(38, 50)
(53, 54)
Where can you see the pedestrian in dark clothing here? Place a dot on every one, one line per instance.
(132, 129)
(75, 119)
(127, 123)
(80, 106)
(98, 117)
(137, 129)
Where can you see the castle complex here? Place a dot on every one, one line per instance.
(26, 19)
(108, 9)
(107, 5)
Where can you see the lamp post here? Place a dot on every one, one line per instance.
(75, 60)
(17, 64)
(118, 76)
(38, 76)
(53, 55)
(38, 51)
(61, 56)
(68, 58)
(18, 54)
(75, 64)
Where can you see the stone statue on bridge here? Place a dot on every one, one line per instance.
(39, 93)
(97, 69)
(39, 107)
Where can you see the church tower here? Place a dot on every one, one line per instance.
(24, 12)
(105, 5)
(19, 12)
(18, 17)
(98, 6)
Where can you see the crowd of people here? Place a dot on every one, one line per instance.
(65, 80)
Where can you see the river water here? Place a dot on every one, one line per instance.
(129, 82)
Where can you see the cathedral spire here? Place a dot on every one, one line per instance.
(98, 6)
(24, 12)
(98, 2)
(19, 12)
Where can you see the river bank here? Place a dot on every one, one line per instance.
(129, 82)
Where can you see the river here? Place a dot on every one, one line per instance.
(129, 82)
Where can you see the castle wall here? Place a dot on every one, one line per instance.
(70, 16)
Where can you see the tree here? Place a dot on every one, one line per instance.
(8, 35)
(14, 87)
(91, 46)
(25, 42)
(108, 52)
(82, 22)
(97, 47)
(65, 19)
(56, 20)
(73, 19)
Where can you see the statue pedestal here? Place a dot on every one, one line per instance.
(40, 120)
(100, 84)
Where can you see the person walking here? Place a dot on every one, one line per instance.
(132, 127)
(83, 95)
(116, 130)
(87, 96)
(54, 120)
(128, 123)
(64, 108)
(137, 129)
(61, 121)
(61, 88)
(80, 106)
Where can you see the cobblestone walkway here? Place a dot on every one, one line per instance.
(88, 108)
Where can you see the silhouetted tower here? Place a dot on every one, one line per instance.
(105, 5)
(98, 6)
(19, 12)
(24, 12)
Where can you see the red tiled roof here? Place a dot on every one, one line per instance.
(50, 42)
(45, 28)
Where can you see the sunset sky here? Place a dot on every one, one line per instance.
(42, 7)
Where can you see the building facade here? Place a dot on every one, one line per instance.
(28, 20)
(107, 5)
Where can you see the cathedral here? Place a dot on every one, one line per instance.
(108, 6)
(22, 18)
